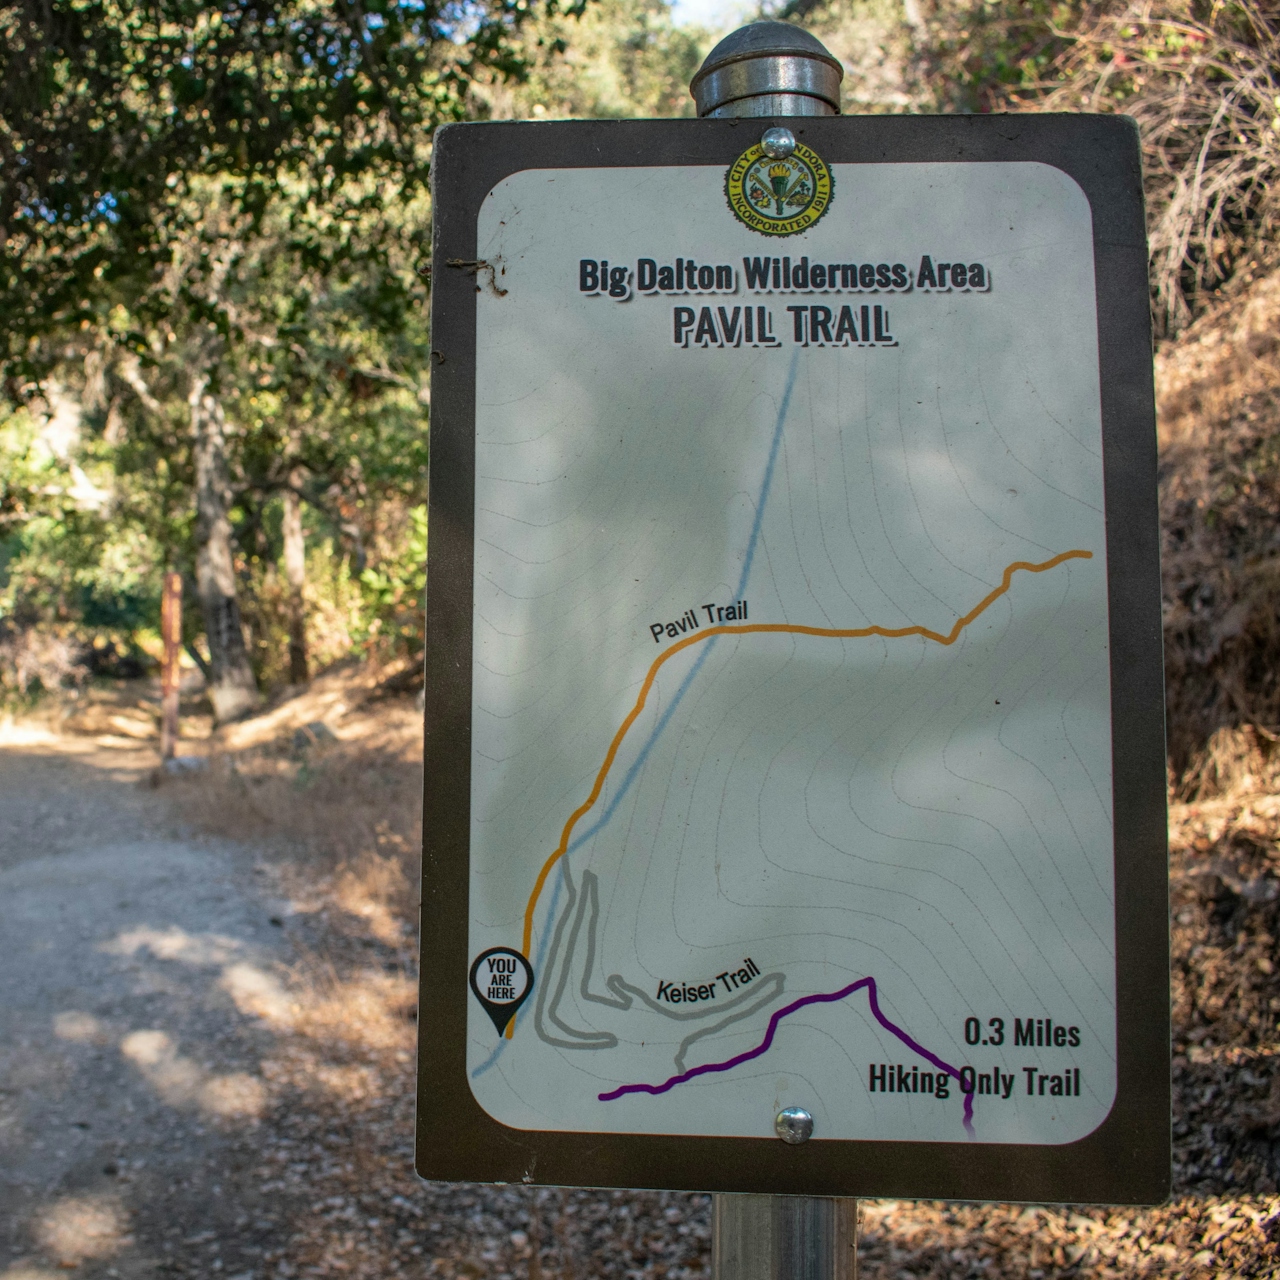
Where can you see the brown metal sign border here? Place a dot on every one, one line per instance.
(1127, 1159)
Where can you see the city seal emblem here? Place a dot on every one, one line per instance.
(779, 195)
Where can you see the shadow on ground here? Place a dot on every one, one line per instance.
(207, 1025)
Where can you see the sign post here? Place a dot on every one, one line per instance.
(794, 803)
(784, 1238)
(763, 70)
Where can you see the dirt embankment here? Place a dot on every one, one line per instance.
(1220, 515)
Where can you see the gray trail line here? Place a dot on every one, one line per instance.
(575, 908)
(591, 889)
(585, 905)
(777, 981)
(765, 998)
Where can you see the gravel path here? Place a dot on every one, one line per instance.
(129, 1077)
(200, 1077)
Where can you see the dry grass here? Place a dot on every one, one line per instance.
(331, 778)
(1202, 81)
(1200, 77)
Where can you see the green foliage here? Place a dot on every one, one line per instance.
(610, 59)
(75, 589)
(232, 201)
(337, 613)
(27, 468)
(377, 611)
(110, 111)
(395, 589)
(66, 570)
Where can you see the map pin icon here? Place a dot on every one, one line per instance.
(502, 979)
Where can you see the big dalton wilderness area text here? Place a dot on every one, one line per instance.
(811, 323)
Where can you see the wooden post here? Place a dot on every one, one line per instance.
(295, 570)
(171, 633)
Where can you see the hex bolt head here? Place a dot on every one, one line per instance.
(777, 143)
(793, 1125)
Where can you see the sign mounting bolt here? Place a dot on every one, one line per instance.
(793, 1125)
(778, 143)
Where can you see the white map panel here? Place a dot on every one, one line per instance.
(790, 813)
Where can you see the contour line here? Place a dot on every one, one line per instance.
(841, 633)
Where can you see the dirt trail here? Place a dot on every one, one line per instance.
(130, 1082)
(203, 1075)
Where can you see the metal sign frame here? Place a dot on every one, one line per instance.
(1127, 1158)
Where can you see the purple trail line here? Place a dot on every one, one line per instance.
(763, 1047)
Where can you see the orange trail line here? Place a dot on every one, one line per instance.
(840, 633)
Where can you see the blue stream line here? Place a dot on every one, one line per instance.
(638, 764)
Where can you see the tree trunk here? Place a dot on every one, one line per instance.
(232, 688)
(295, 570)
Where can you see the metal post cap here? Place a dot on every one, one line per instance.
(768, 60)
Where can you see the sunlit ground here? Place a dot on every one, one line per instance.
(207, 1047)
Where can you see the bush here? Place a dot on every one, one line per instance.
(1203, 83)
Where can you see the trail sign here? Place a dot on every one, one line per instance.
(794, 691)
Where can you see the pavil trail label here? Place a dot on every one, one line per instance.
(779, 196)
(501, 979)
